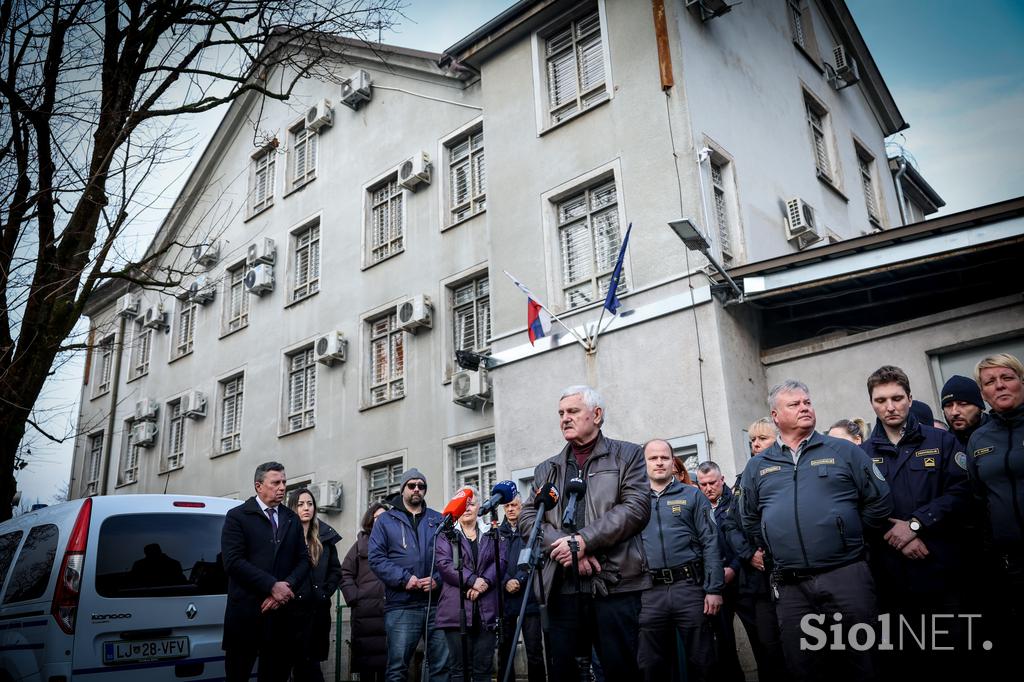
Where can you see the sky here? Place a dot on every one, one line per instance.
(955, 69)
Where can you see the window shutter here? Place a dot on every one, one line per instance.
(591, 63)
(576, 252)
(562, 84)
(397, 356)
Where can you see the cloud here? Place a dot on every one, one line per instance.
(965, 138)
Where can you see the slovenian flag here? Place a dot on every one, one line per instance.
(538, 321)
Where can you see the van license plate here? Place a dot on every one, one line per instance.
(134, 651)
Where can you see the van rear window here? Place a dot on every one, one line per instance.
(160, 555)
(8, 546)
(32, 572)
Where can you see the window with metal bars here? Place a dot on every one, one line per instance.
(301, 399)
(383, 481)
(261, 192)
(129, 457)
(471, 315)
(387, 359)
(802, 28)
(175, 456)
(474, 464)
(105, 365)
(817, 122)
(574, 64)
(185, 327)
(302, 156)
(589, 240)
(231, 395)
(721, 207)
(236, 299)
(92, 471)
(865, 166)
(467, 176)
(141, 348)
(307, 262)
(387, 224)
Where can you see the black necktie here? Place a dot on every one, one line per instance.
(272, 513)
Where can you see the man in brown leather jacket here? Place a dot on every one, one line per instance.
(597, 605)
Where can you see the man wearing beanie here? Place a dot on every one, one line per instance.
(400, 553)
(963, 408)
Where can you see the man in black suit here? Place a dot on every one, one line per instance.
(265, 557)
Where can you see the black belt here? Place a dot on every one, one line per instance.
(692, 572)
(788, 576)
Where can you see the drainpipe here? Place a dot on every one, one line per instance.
(116, 379)
(899, 189)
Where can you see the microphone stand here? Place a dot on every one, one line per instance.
(532, 557)
(498, 577)
(457, 561)
(583, 663)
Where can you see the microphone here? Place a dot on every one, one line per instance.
(575, 489)
(545, 500)
(455, 508)
(503, 492)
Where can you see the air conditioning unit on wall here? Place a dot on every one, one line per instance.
(356, 90)
(415, 171)
(319, 115)
(259, 279)
(146, 410)
(193, 404)
(206, 253)
(471, 388)
(329, 495)
(801, 224)
(414, 313)
(128, 306)
(201, 290)
(144, 434)
(330, 348)
(263, 251)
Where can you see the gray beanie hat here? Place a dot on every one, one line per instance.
(411, 475)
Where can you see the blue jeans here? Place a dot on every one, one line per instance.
(404, 630)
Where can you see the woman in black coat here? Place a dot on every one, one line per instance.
(313, 596)
(364, 594)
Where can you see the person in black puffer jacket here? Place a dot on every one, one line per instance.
(364, 594)
(313, 597)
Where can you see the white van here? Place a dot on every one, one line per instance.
(116, 588)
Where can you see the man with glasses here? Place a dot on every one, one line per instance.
(401, 554)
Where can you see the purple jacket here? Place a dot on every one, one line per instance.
(483, 567)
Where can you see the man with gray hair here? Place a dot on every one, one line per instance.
(808, 499)
(598, 605)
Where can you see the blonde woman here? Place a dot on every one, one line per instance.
(854, 430)
(313, 597)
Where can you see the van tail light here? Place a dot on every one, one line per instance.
(69, 581)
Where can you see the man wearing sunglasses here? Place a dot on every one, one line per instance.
(401, 552)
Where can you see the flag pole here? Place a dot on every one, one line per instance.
(613, 285)
(529, 293)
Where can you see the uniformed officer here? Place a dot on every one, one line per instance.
(808, 499)
(918, 563)
(681, 543)
(996, 466)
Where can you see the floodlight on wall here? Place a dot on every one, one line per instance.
(467, 359)
(694, 240)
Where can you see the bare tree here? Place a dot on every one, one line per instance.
(89, 91)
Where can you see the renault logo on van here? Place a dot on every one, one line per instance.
(191, 611)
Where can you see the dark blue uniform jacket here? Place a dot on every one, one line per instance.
(812, 515)
(995, 461)
(681, 530)
(928, 482)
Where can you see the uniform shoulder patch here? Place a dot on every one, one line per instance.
(961, 460)
(925, 453)
(983, 451)
(876, 472)
(770, 470)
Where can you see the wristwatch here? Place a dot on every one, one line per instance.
(915, 525)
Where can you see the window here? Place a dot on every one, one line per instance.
(236, 300)
(721, 206)
(307, 262)
(467, 176)
(175, 436)
(141, 351)
(8, 547)
(866, 170)
(185, 327)
(303, 156)
(387, 359)
(474, 465)
(261, 193)
(104, 366)
(387, 230)
(383, 481)
(574, 67)
(129, 457)
(301, 389)
(802, 26)
(32, 572)
(588, 236)
(471, 315)
(186, 562)
(231, 414)
(92, 464)
(817, 122)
